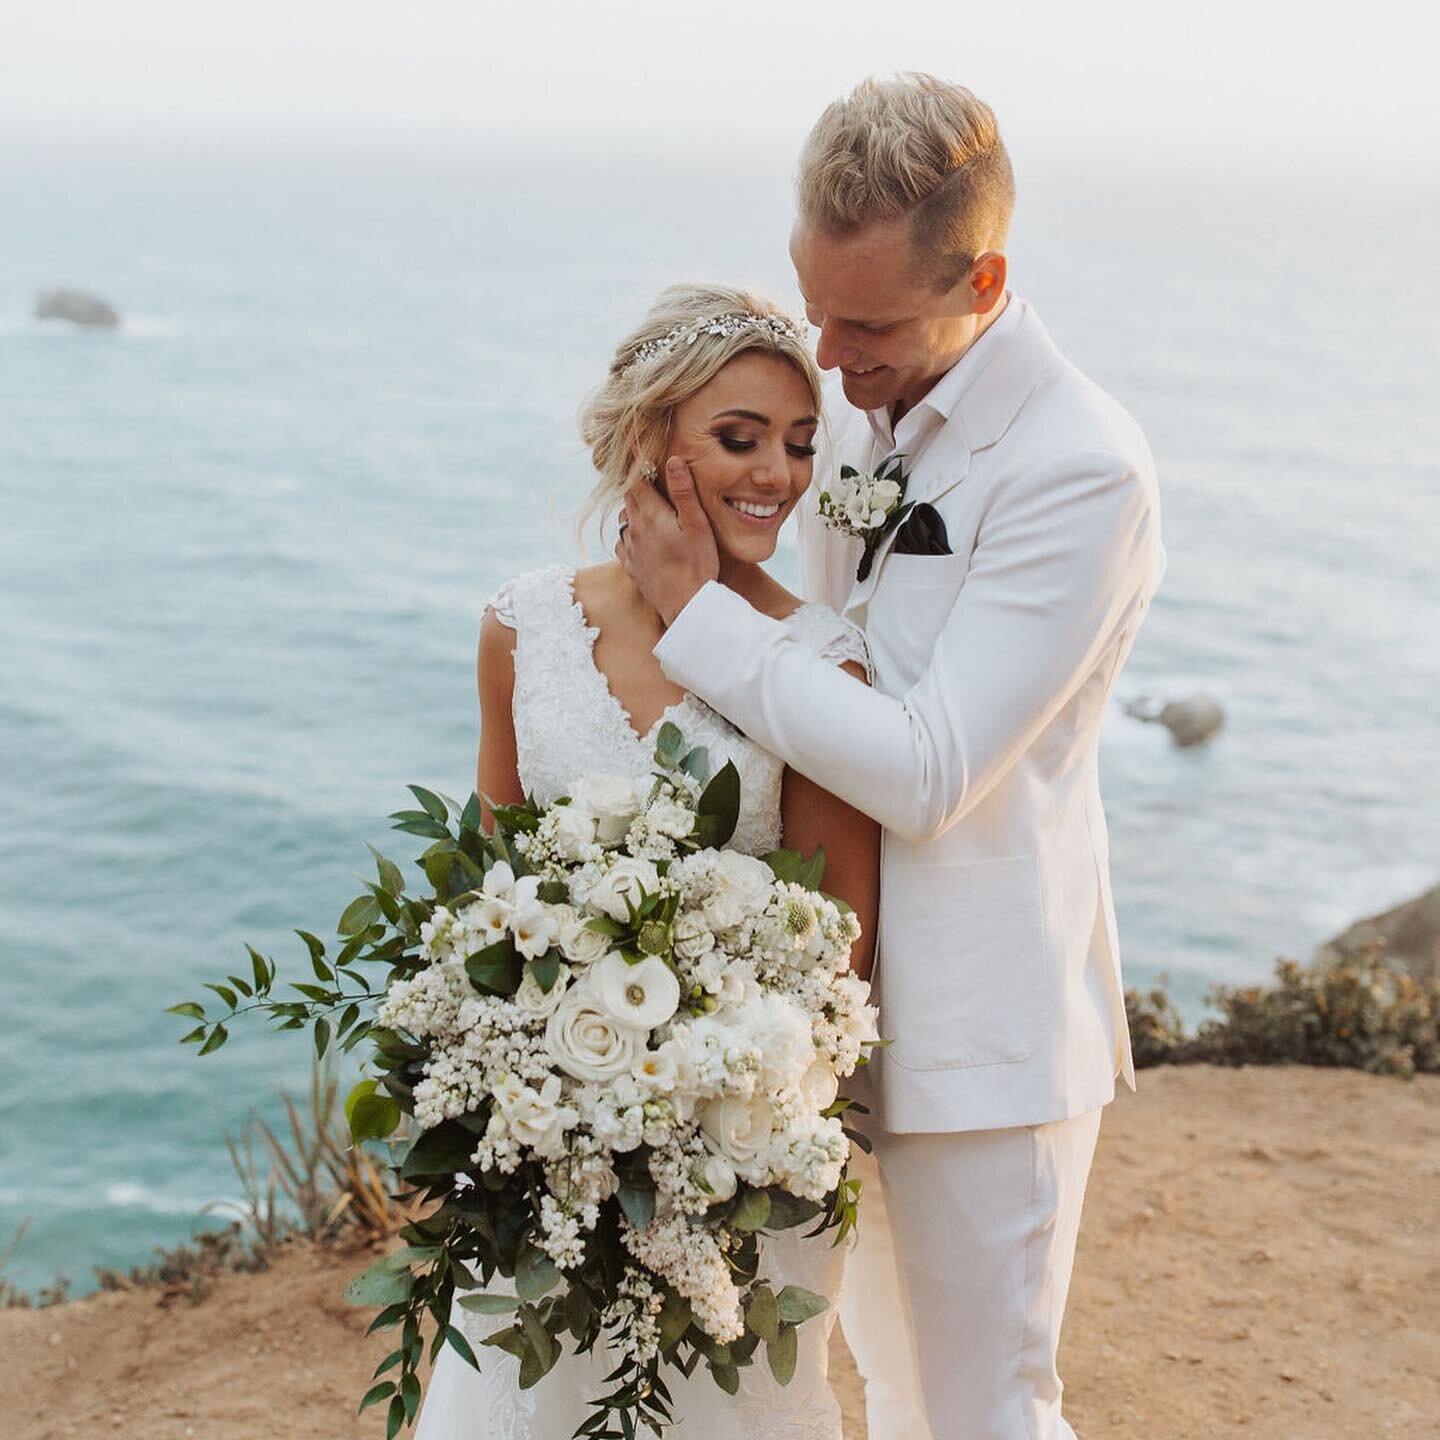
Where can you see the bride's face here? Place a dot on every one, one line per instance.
(748, 439)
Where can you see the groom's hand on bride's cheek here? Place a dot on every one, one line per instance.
(667, 546)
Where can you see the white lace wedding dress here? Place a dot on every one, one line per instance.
(567, 723)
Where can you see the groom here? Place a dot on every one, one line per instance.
(999, 610)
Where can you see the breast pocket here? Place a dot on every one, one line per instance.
(962, 961)
(912, 601)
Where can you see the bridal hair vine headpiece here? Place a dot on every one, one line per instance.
(727, 325)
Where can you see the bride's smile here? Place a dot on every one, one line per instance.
(748, 438)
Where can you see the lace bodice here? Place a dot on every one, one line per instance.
(568, 722)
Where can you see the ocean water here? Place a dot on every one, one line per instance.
(245, 541)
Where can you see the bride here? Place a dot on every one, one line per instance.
(568, 685)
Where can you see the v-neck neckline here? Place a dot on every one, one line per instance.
(591, 632)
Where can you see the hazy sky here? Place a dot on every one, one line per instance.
(1278, 78)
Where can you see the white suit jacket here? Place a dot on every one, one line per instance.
(998, 968)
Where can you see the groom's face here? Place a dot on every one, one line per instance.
(882, 322)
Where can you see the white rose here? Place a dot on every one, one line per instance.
(574, 831)
(717, 1178)
(537, 1002)
(820, 1086)
(741, 1128)
(586, 1041)
(692, 937)
(625, 880)
(722, 912)
(748, 881)
(642, 996)
(580, 945)
(612, 800)
(883, 494)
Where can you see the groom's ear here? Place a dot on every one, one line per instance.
(984, 286)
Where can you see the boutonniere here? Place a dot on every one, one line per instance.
(868, 507)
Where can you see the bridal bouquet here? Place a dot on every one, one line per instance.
(620, 1047)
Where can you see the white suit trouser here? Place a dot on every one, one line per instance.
(956, 1288)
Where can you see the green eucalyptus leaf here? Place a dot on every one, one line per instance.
(763, 1313)
(675, 1317)
(224, 992)
(189, 1008)
(638, 1203)
(394, 1417)
(489, 1304)
(535, 1273)
(322, 1038)
(781, 1353)
(470, 816)
(796, 1304)
(669, 745)
(379, 1284)
(787, 1210)
(751, 1211)
(727, 1377)
(697, 764)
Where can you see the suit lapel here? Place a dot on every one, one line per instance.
(982, 415)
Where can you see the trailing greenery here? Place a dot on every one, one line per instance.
(1354, 1013)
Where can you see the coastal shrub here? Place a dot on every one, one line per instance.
(1354, 1013)
(1156, 1030)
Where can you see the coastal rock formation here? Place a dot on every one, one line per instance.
(76, 306)
(1410, 934)
(1190, 721)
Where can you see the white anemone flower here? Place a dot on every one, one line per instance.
(643, 995)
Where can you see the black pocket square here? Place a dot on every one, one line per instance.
(923, 533)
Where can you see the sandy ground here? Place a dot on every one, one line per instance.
(1261, 1257)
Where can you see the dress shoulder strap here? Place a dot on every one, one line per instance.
(543, 592)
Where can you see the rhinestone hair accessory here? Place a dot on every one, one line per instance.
(727, 325)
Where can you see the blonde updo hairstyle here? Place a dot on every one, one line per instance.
(628, 421)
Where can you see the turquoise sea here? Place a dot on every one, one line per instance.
(245, 542)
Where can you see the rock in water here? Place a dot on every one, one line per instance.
(1190, 721)
(1410, 934)
(77, 307)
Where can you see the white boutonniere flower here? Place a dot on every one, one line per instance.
(866, 507)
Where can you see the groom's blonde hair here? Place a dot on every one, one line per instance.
(913, 146)
(627, 421)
